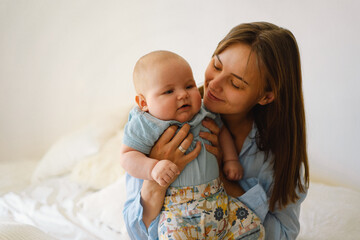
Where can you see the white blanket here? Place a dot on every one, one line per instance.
(78, 192)
(59, 203)
(13, 230)
(65, 210)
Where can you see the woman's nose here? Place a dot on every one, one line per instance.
(217, 82)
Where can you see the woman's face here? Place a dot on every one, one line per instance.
(233, 84)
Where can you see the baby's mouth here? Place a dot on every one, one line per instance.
(185, 106)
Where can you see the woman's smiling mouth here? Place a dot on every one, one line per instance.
(212, 97)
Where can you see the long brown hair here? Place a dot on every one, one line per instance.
(281, 124)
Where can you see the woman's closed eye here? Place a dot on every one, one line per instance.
(217, 66)
(238, 84)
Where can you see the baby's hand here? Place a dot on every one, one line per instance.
(164, 172)
(233, 170)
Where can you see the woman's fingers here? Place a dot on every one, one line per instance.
(210, 137)
(216, 151)
(168, 147)
(180, 135)
(167, 135)
(211, 125)
(212, 149)
(185, 144)
(190, 156)
(162, 149)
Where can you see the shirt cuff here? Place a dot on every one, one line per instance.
(254, 197)
(152, 231)
(153, 228)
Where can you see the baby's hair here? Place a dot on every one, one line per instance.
(149, 61)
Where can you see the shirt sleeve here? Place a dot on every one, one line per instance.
(142, 130)
(279, 224)
(133, 212)
(284, 223)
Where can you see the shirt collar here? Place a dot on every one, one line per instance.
(250, 140)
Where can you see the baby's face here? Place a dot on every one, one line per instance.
(172, 92)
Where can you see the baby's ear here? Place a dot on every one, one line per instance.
(141, 102)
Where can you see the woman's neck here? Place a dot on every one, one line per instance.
(239, 127)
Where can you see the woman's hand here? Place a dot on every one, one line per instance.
(232, 188)
(167, 146)
(213, 137)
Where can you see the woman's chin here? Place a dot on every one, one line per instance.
(209, 105)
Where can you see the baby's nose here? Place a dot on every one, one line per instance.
(183, 94)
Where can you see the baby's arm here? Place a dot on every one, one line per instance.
(232, 167)
(140, 166)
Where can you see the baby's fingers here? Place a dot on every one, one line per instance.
(162, 182)
(174, 170)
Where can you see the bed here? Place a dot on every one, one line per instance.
(77, 191)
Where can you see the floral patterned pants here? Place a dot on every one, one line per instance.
(206, 212)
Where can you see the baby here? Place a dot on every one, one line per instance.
(167, 95)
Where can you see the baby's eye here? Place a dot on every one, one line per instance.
(190, 87)
(168, 92)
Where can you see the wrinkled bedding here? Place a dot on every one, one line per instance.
(66, 193)
(77, 191)
(63, 209)
(60, 208)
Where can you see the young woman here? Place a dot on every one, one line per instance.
(254, 81)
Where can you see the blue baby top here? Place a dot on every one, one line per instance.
(143, 130)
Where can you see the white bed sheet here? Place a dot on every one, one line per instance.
(56, 206)
(64, 209)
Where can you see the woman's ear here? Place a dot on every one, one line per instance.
(267, 98)
(141, 102)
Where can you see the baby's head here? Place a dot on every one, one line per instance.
(165, 86)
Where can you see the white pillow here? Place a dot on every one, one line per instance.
(74, 147)
(99, 170)
(106, 205)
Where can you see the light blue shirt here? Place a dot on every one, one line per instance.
(143, 130)
(257, 182)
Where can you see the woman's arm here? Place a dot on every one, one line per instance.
(152, 200)
(280, 223)
(284, 223)
(257, 184)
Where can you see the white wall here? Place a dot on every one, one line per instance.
(63, 62)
